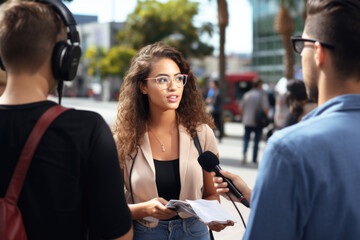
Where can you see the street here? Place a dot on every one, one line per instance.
(230, 151)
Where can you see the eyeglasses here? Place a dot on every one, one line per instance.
(298, 43)
(163, 82)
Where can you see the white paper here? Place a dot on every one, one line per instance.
(180, 206)
(207, 210)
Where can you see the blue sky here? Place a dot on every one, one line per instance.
(239, 31)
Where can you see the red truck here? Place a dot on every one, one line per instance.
(239, 83)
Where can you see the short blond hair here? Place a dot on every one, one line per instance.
(28, 33)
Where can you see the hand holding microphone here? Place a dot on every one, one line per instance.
(222, 186)
(209, 162)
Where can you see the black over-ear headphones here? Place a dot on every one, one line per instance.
(66, 56)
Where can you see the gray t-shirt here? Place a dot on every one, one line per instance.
(252, 101)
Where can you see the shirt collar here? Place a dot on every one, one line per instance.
(340, 103)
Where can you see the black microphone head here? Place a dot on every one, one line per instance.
(208, 161)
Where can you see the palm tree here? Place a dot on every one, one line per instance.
(223, 21)
(304, 10)
(284, 25)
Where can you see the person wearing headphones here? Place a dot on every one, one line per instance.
(308, 181)
(73, 188)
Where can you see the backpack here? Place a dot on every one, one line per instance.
(261, 119)
(11, 223)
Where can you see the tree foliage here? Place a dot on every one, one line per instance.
(170, 22)
(114, 61)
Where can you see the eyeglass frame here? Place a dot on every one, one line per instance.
(295, 39)
(171, 78)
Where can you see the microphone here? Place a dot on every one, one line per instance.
(210, 162)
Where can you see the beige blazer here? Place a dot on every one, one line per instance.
(191, 176)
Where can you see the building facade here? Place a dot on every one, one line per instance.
(94, 34)
(268, 52)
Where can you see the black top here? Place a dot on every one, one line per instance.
(73, 189)
(168, 179)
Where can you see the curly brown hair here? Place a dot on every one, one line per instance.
(133, 107)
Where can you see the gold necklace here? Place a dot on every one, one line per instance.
(161, 144)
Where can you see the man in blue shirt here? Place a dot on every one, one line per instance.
(308, 181)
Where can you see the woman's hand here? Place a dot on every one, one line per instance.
(156, 208)
(217, 227)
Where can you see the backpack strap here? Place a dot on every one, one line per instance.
(198, 147)
(18, 178)
(197, 143)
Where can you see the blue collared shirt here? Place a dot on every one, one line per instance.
(308, 185)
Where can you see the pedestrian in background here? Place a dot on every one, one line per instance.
(254, 100)
(214, 101)
(160, 110)
(282, 110)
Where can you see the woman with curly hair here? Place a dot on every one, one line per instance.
(160, 111)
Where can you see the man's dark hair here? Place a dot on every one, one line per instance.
(257, 83)
(337, 22)
(296, 89)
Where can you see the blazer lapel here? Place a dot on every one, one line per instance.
(146, 150)
(184, 151)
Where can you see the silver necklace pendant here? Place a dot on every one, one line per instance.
(162, 147)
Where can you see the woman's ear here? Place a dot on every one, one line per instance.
(143, 88)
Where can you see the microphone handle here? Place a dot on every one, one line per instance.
(232, 187)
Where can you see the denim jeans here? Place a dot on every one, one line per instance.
(258, 134)
(180, 229)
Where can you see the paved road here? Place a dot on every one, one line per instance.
(230, 150)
